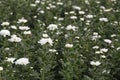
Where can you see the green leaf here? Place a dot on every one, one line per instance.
(87, 78)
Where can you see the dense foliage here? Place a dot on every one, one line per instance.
(59, 39)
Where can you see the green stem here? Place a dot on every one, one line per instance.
(0, 76)
(42, 75)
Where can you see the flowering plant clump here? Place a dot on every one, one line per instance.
(59, 39)
(22, 61)
(5, 33)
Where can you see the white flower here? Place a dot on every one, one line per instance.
(73, 17)
(27, 32)
(45, 41)
(5, 33)
(1, 68)
(66, 13)
(72, 12)
(13, 27)
(24, 28)
(22, 20)
(118, 48)
(52, 27)
(37, 1)
(14, 38)
(35, 17)
(95, 36)
(95, 47)
(52, 50)
(106, 71)
(68, 45)
(55, 17)
(103, 19)
(22, 61)
(108, 41)
(52, 6)
(42, 12)
(95, 33)
(45, 35)
(87, 2)
(33, 5)
(95, 63)
(5, 24)
(76, 7)
(66, 35)
(70, 27)
(102, 7)
(98, 2)
(107, 10)
(77, 37)
(104, 50)
(82, 19)
(98, 52)
(60, 19)
(59, 3)
(89, 16)
(113, 35)
(92, 62)
(81, 12)
(10, 60)
(7, 49)
(103, 56)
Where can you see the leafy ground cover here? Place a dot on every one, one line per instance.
(59, 39)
